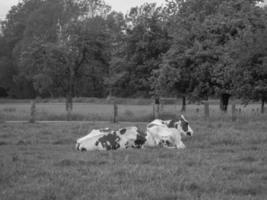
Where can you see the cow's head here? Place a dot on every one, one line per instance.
(182, 125)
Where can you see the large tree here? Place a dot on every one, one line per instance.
(13, 29)
(116, 26)
(145, 41)
(67, 53)
(250, 66)
(202, 33)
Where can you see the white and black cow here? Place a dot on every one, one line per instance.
(182, 125)
(168, 132)
(107, 139)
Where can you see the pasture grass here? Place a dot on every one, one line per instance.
(223, 160)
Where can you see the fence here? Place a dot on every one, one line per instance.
(121, 112)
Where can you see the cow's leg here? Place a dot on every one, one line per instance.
(178, 140)
(151, 140)
(180, 145)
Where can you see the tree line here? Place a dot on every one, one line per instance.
(194, 49)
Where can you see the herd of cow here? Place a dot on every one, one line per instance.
(161, 133)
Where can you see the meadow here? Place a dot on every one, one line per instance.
(223, 160)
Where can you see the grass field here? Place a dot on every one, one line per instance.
(223, 160)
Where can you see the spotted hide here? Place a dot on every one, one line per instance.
(182, 125)
(107, 139)
(167, 133)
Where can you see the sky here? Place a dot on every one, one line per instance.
(118, 5)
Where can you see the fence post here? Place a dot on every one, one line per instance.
(183, 104)
(115, 117)
(206, 109)
(33, 111)
(233, 112)
(156, 107)
(69, 113)
(262, 105)
(161, 106)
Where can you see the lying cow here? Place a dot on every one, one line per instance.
(168, 133)
(107, 139)
(182, 125)
(158, 133)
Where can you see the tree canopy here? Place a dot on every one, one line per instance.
(195, 49)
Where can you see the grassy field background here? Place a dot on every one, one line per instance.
(223, 160)
(103, 111)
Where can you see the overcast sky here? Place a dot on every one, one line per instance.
(118, 5)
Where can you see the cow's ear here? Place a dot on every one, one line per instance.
(171, 124)
(181, 118)
(123, 131)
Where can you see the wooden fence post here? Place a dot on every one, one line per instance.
(262, 105)
(183, 104)
(33, 111)
(69, 113)
(206, 109)
(156, 107)
(161, 107)
(233, 112)
(115, 117)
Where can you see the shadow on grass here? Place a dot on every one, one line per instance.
(2, 143)
(251, 191)
(225, 142)
(23, 142)
(247, 159)
(63, 141)
(68, 163)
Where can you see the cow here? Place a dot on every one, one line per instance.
(108, 139)
(167, 133)
(182, 125)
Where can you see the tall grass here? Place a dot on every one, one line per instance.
(223, 160)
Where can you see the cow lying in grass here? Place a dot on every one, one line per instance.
(168, 133)
(158, 133)
(107, 139)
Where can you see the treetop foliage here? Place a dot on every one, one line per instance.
(194, 48)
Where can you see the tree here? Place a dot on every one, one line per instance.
(145, 41)
(71, 54)
(250, 70)
(202, 32)
(6, 67)
(12, 35)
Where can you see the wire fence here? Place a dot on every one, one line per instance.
(34, 111)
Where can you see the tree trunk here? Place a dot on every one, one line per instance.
(224, 100)
(115, 118)
(206, 110)
(33, 111)
(68, 102)
(233, 112)
(69, 106)
(183, 104)
(70, 94)
(262, 104)
(109, 92)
